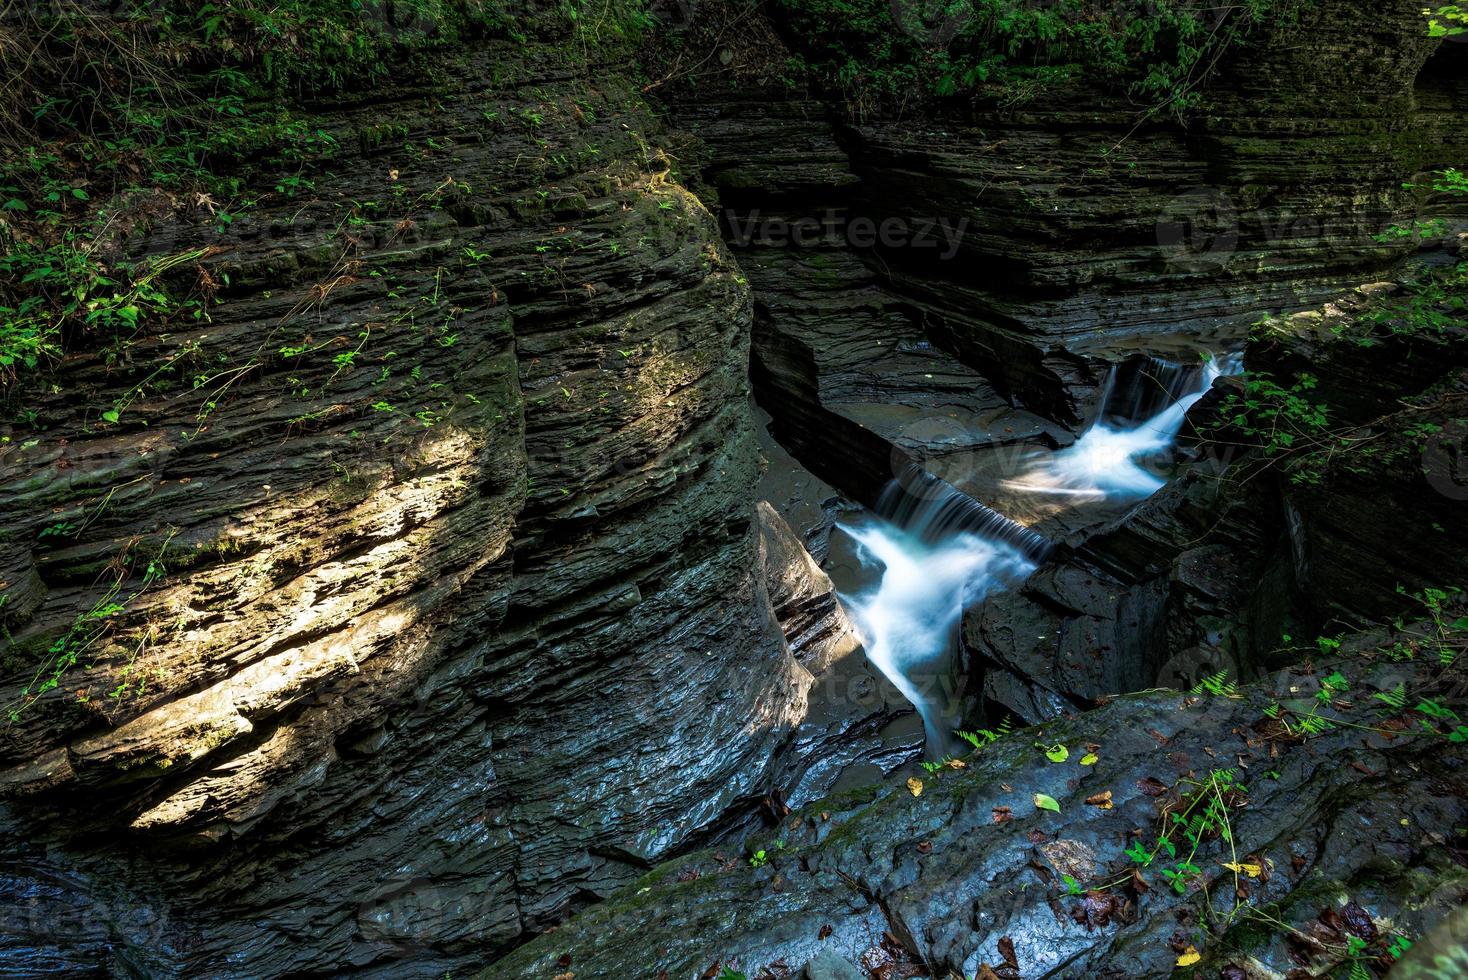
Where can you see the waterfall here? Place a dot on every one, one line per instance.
(934, 551)
(934, 509)
(1108, 461)
(931, 550)
(908, 619)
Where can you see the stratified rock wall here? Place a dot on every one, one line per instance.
(456, 617)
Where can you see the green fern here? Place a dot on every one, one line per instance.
(1396, 699)
(1217, 685)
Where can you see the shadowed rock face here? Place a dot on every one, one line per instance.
(969, 873)
(443, 609)
(464, 619)
(1033, 246)
(1209, 573)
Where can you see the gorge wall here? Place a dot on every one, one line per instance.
(419, 595)
(427, 603)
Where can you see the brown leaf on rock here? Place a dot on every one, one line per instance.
(1358, 922)
(825, 932)
(1006, 950)
(925, 847)
(1103, 800)
(1152, 786)
(1002, 814)
(564, 960)
(1098, 908)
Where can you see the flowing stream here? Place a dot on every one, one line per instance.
(929, 550)
(1108, 461)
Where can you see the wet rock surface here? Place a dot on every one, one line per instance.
(967, 875)
(477, 605)
(1248, 546)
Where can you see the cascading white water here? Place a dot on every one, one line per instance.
(942, 550)
(908, 619)
(1106, 462)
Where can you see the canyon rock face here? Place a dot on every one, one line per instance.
(424, 604)
(1250, 546)
(953, 286)
(418, 598)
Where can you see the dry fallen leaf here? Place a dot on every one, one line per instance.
(1252, 870)
(956, 764)
(1103, 800)
(915, 786)
(1189, 957)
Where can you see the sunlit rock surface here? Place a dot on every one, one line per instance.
(459, 618)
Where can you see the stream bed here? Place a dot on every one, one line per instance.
(906, 571)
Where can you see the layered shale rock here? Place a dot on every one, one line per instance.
(1257, 542)
(1020, 250)
(962, 873)
(422, 602)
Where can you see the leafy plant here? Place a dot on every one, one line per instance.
(90, 627)
(1446, 21)
(985, 737)
(1202, 815)
(1217, 685)
(1161, 54)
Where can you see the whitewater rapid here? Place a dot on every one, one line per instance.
(931, 550)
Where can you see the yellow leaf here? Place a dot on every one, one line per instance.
(956, 764)
(1252, 870)
(1090, 759)
(1189, 957)
(915, 786)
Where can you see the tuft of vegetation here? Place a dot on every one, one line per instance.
(1161, 54)
(1450, 20)
(108, 105)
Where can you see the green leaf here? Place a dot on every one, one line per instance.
(1043, 802)
(1057, 753)
(111, 415)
